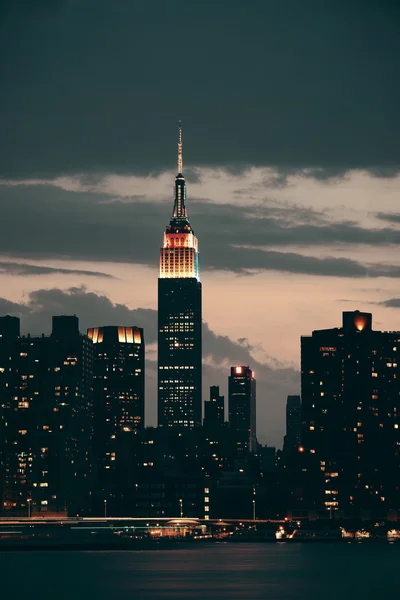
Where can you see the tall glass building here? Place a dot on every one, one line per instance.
(242, 408)
(179, 317)
(118, 389)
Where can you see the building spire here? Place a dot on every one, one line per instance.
(180, 149)
(180, 185)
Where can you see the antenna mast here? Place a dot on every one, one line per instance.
(180, 149)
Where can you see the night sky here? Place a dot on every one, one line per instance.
(290, 111)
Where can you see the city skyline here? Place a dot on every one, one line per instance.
(200, 298)
(293, 182)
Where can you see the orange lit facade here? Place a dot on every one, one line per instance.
(126, 335)
(179, 256)
(351, 415)
(179, 317)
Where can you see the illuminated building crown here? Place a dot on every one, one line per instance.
(179, 256)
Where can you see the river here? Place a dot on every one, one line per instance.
(208, 572)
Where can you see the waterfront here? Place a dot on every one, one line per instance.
(212, 571)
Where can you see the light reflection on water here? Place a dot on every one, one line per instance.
(209, 572)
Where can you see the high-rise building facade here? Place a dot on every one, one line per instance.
(242, 408)
(293, 423)
(45, 419)
(214, 408)
(179, 317)
(350, 387)
(119, 401)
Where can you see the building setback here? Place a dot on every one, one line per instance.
(179, 318)
(242, 408)
(350, 385)
(214, 408)
(293, 423)
(46, 419)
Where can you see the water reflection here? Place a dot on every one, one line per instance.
(215, 571)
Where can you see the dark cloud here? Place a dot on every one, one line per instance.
(243, 260)
(89, 226)
(99, 85)
(21, 269)
(389, 217)
(391, 303)
(92, 309)
(327, 175)
(219, 352)
(384, 172)
(12, 308)
(21, 10)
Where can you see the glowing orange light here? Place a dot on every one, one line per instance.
(93, 334)
(238, 369)
(301, 449)
(360, 322)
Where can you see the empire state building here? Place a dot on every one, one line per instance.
(179, 317)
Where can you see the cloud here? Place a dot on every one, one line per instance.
(391, 303)
(96, 86)
(60, 224)
(21, 269)
(328, 175)
(93, 310)
(274, 383)
(390, 217)
(249, 260)
(12, 308)
(26, 9)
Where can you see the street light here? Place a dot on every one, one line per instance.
(105, 508)
(29, 500)
(254, 509)
(181, 506)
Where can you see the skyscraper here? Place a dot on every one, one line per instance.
(45, 418)
(242, 407)
(179, 317)
(118, 388)
(214, 409)
(350, 381)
